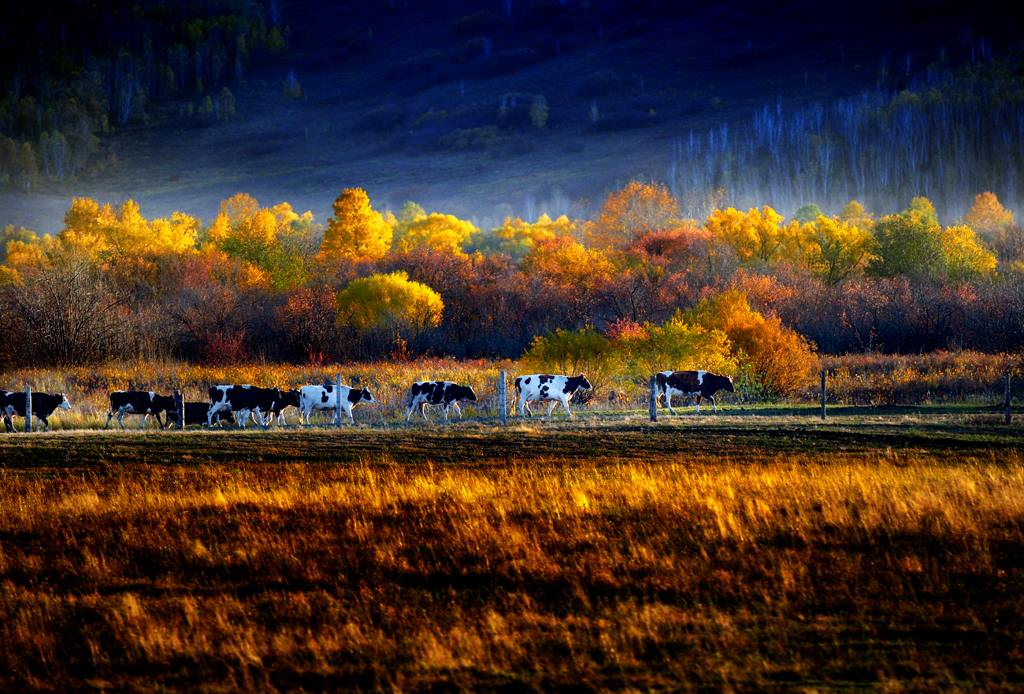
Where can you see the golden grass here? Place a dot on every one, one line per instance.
(879, 568)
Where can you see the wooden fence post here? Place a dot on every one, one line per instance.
(502, 398)
(28, 409)
(653, 399)
(337, 400)
(1007, 411)
(824, 376)
(179, 405)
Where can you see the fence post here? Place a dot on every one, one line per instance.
(179, 405)
(28, 409)
(1007, 412)
(824, 376)
(337, 400)
(653, 399)
(502, 398)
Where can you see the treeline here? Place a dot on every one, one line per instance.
(76, 70)
(948, 133)
(637, 280)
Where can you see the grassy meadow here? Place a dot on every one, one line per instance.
(734, 553)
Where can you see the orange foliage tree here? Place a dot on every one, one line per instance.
(635, 210)
(779, 359)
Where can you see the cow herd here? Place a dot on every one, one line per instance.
(238, 405)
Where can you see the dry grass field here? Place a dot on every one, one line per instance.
(731, 552)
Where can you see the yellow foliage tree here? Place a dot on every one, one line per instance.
(634, 211)
(965, 256)
(568, 263)
(438, 232)
(356, 232)
(854, 213)
(779, 359)
(756, 235)
(389, 302)
(516, 237)
(837, 249)
(987, 215)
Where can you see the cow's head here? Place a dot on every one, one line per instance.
(361, 395)
(578, 383)
(290, 397)
(728, 385)
(470, 394)
(64, 404)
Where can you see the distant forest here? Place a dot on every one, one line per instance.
(74, 71)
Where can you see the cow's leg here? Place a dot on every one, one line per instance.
(668, 401)
(110, 415)
(522, 407)
(714, 403)
(446, 413)
(243, 417)
(423, 411)
(457, 409)
(565, 404)
(698, 404)
(45, 421)
(551, 408)
(214, 409)
(348, 411)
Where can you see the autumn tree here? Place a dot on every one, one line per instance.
(516, 237)
(836, 249)
(635, 210)
(443, 233)
(779, 359)
(389, 304)
(987, 215)
(755, 235)
(914, 244)
(909, 243)
(356, 232)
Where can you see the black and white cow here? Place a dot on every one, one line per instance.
(326, 397)
(702, 384)
(143, 403)
(244, 401)
(557, 389)
(443, 393)
(289, 398)
(43, 405)
(196, 413)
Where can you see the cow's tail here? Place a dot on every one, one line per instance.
(517, 392)
(660, 385)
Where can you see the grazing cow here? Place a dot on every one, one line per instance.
(245, 401)
(557, 389)
(702, 384)
(443, 393)
(195, 413)
(138, 402)
(43, 405)
(289, 398)
(325, 397)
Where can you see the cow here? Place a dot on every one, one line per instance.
(195, 413)
(444, 393)
(43, 405)
(702, 384)
(138, 402)
(557, 389)
(289, 398)
(325, 397)
(244, 401)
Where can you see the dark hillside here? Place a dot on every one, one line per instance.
(488, 108)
